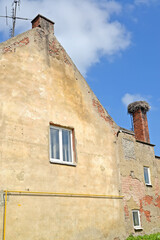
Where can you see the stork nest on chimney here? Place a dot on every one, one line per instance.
(133, 107)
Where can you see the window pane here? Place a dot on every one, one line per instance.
(66, 143)
(135, 219)
(54, 135)
(146, 177)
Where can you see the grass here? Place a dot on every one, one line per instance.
(145, 237)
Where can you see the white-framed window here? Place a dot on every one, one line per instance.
(147, 178)
(61, 145)
(136, 219)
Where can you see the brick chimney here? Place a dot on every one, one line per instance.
(139, 111)
(44, 23)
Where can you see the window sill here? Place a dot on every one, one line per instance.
(63, 163)
(138, 228)
(148, 185)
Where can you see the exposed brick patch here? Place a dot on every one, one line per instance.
(65, 57)
(148, 200)
(101, 111)
(7, 49)
(157, 188)
(148, 216)
(146, 212)
(141, 206)
(157, 202)
(53, 49)
(133, 188)
(13, 46)
(126, 211)
(23, 42)
(56, 50)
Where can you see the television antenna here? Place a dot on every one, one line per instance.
(15, 4)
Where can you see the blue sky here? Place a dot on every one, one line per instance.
(115, 44)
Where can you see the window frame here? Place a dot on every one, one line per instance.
(139, 227)
(149, 176)
(72, 145)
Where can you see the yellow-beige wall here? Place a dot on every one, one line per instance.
(39, 84)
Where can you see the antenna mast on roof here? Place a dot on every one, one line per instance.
(14, 12)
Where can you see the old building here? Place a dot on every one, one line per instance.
(68, 171)
(139, 174)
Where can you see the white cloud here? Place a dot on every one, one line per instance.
(129, 98)
(111, 6)
(85, 28)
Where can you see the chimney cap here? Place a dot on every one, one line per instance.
(133, 107)
(41, 16)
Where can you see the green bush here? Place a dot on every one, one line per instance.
(145, 237)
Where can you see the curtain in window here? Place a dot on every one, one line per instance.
(66, 143)
(54, 135)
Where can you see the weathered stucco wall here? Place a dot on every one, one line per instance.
(134, 156)
(39, 85)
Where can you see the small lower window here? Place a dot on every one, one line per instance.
(136, 219)
(147, 175)
(61, 146)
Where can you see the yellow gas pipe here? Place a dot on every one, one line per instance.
(52, 194)
(64, 194)
(5, 209)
